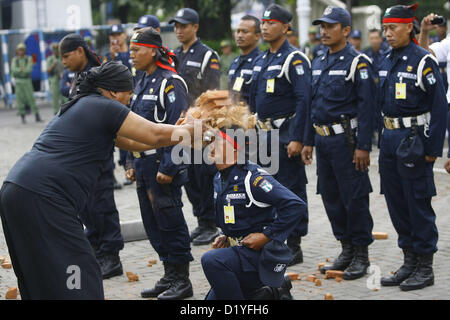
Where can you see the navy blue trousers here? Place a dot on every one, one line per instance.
(162, 214)
(232, 273)
(291, 173)
(101, 217)
(344, 191)
(200, 188)
(408, 200)
(51, 257)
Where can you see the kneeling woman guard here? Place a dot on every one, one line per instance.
(256, 214)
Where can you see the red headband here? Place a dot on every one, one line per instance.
(224, 136)
(158, 63)
(275, 21)
(398, 20)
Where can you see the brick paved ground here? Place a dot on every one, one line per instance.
(318, 245)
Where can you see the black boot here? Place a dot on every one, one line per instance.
(163, 284)
(268, 293)
(38, 118)
(110, 265)
(423, 276)
(23, 119)
(181, 287)
(294, 245)
(207, 235)
(198, 230)
(343, 260)
(408, 267)
(359, 265)
(284, 292)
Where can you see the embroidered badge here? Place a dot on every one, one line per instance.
(279, 267)
(172, 97)
(300, 70)
(266, 186)
(364, 74)
(431, 79)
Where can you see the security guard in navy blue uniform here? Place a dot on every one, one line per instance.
(199, 66)
(343, 100)
(100, 217)
(145, 21)
(119, 49)
(414, 106)
(280, 95)
(118, 46)
(256, 214)
(247, 36)
(160, 97)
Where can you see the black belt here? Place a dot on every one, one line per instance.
(142, 155)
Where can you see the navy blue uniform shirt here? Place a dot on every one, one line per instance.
(276, 94)
(401, 66)
(242, 67)
(333, 95)
(67, 158)
(189, 67)
(123, 57)
(248, 200)
(146, 102)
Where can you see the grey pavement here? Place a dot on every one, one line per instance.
(318, 246)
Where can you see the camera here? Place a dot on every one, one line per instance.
(438, 20)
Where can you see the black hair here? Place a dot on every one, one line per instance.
(376, 30)
(255, 20)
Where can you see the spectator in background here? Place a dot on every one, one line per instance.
(118, 46)
(226, 59)
(21, 66)
(293, 37)
(55, 69)
(375, 51)
(320, 48)
(356, 39)
(312, 42)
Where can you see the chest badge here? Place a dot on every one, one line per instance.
(409, 68)
(229, 214)
(151, 91)
(235, 188)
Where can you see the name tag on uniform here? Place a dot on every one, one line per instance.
(238, 84)
(270, 87)
(229, 214)
(400, 91)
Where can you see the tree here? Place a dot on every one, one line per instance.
(211, 12)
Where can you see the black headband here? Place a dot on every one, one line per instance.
(72, 42)
(111, 75)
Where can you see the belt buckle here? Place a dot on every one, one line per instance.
(389, 123)
(235, 241)
(137, 155)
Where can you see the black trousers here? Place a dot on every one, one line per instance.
(51, 256)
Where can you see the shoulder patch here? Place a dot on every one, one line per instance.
(258, 179)
(169, 88)
(215, 66)
(265, 185)
(214, 61)
(427, 70)
(362, 65)
(296, 62)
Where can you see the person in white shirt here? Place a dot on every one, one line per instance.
(441, 50)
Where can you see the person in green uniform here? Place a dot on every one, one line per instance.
(54, 70)
(226, 59)
(21, 71)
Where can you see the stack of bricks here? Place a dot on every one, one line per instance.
(217, 106)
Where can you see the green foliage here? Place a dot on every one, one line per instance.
(425, 7)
